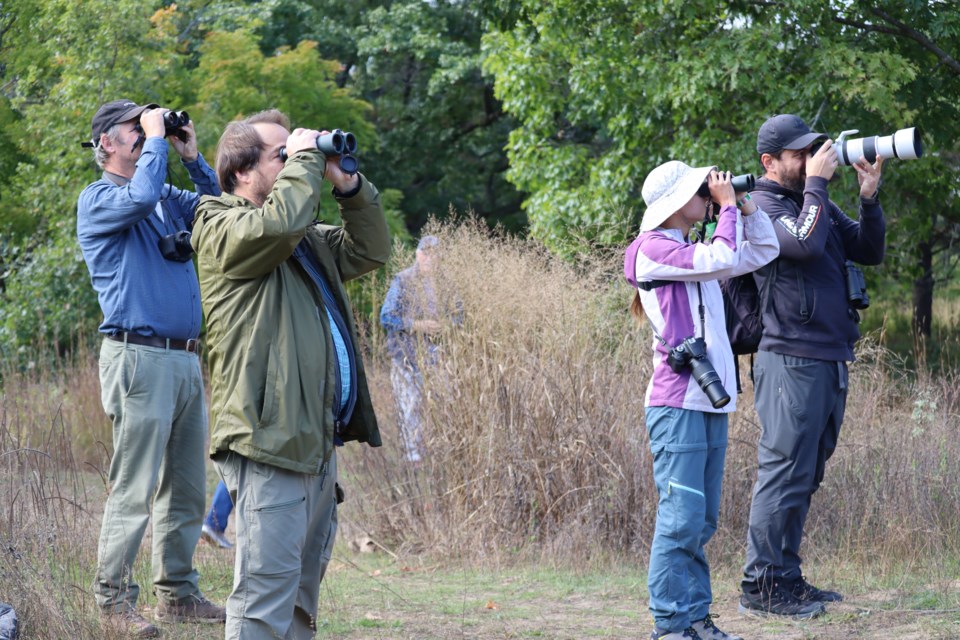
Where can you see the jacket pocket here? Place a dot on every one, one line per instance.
(268, 411)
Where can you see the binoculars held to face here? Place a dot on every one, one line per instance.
(174, 122)
(740, 184)
(333, 144)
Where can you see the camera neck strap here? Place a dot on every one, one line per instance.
(700, 308)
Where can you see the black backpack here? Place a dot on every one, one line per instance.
(743, 307)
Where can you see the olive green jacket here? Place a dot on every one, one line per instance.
(272, 372)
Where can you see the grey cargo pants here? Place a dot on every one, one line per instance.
(800, 402)
(286, 524)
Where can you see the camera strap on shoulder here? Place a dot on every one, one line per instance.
(700, 308)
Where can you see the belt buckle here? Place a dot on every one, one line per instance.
(193, 345)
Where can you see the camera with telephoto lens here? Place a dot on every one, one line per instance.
(174, 122)
(176, 246)
(856, 287)
(743, 183)
(904, 144)
(333, 144)
(692, 353)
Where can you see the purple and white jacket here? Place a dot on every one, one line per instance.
(739, 245)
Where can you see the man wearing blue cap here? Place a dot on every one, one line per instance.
(414, 315)
(800, 372)
(128, 223)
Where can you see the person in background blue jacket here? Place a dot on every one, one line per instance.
(414, 315)
(800, 372)
(128, 223)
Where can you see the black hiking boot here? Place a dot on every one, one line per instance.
(778, 602)
(803, 590)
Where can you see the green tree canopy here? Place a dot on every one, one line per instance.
(61, 60)
(605, 90)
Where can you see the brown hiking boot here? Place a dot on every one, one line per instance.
(194, 608)
(130, 623)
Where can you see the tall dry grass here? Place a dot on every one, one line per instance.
(533, 414)
(535, 440)
(49, 506)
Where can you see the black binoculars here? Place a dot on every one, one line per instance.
(746, 182)
(176, 246)
(174, 122)
(856, 286)
(333, 144)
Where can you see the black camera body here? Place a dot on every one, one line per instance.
(692, 353)
(176, 246)
(856, 286)
(174, 122)
(333, 144)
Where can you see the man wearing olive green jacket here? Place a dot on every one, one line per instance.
(287, 382)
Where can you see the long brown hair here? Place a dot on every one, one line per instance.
(636, 307)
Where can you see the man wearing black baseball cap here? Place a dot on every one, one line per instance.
(128, 225)
(800, 372)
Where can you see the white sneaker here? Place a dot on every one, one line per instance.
(214, 537)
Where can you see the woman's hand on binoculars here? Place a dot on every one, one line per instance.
(721, 190)
(824, 162)
(869, 176)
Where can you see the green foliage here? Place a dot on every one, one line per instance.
(573, 102)
(606, 90)
(441, 128)
(50, 306)
(61, 61)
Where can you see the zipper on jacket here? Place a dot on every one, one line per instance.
(308, 261)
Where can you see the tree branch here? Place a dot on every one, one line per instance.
(923, 40)
(904, 31)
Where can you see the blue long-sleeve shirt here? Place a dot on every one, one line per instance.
(118, 230)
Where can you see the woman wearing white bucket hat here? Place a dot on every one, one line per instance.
(693, 386)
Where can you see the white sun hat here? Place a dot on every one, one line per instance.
(667, 188)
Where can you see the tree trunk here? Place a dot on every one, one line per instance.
(923, 294)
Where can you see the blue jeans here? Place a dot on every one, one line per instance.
(220, 508)
(689, 448)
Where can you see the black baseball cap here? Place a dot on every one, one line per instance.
(115, 112)
(785, 131)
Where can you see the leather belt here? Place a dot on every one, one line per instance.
(193, 346)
